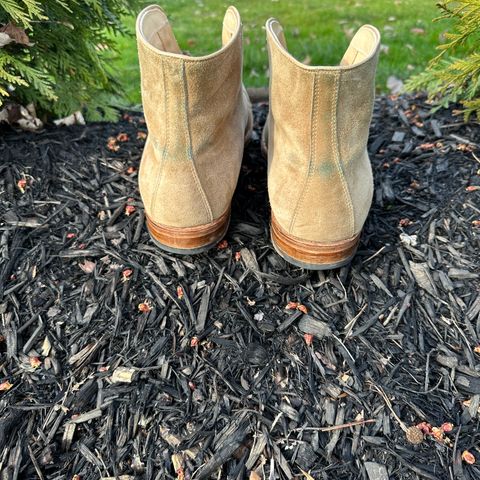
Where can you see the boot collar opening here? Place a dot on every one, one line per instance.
(363, 47)
(155, 31)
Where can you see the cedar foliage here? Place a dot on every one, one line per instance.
(58, 53)
(450, 79)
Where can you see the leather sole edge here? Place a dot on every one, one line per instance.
(189, 240)
(312, 255)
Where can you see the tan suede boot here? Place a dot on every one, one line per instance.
(198, 116)
(319, 174)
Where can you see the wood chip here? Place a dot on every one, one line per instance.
(124, 375)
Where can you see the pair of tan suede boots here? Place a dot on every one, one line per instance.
(199, 117)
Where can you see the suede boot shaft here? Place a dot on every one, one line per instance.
(197, 113)
(319, 176)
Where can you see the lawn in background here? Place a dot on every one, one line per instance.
(317, 32)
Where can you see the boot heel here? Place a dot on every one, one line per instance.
(191, 240)
(312, 255)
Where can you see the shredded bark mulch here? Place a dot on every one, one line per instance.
(117, 359)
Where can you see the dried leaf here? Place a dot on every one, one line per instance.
(5, 386)
(425, 427)
(222, 245)
(112, 144)
(144, 307)
(447, 427)
(395, 85)
(408, 240)
(437, 434)
(87, 266)
(35, 362)
(22, 184)
(126, 274)
(302, 308)
(129, 209)
(308, 338)
(122, 137)
(177, 461)
(75, 118)
(404, 222)
(16, 34)
(5, 39)
(296, 306)
(468, 457)
(24, 117)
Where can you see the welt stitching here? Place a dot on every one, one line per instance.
(166, 140)
(338, 162)
(190, 148)
(313, 141)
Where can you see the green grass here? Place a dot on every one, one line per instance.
(316, 31)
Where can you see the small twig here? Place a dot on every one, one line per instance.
(375, 254)
(337, 427)
(349, 327)
(35, 463)
(343, 345)
(389, 405)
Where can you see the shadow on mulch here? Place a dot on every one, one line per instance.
(118, 359)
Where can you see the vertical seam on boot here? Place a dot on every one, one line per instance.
(158, 180)
(336, 155)
(190, 147)
(313, 141)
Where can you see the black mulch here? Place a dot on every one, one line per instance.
(216, 378)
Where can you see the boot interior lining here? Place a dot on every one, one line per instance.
(362, 46)
(231, 25)
(279, 33)
(157, 31)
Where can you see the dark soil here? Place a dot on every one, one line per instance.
(216, 378)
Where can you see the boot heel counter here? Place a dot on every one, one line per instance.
(336, 202)
(170, 190)
(173, 194)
